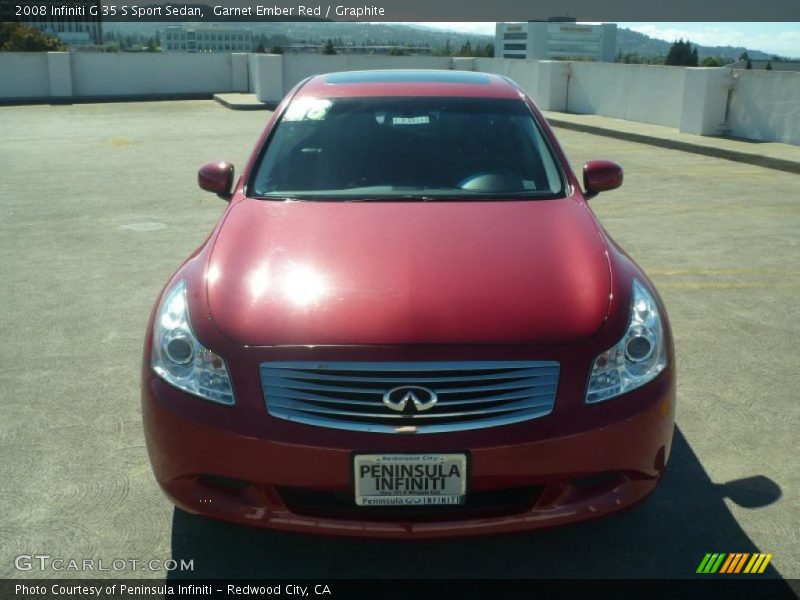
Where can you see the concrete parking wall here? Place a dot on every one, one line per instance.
(644, 93)
(765, 105)
(754, 105)
(524, 72)
(123, 74)
(59, 75)
(24, 75)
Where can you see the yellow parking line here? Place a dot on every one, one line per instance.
(726, 271)
(692, 285)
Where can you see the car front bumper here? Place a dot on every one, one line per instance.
(545, 472)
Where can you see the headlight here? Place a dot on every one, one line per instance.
(180, 360)
(637, 358)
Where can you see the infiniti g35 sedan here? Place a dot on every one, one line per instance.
(408, 323)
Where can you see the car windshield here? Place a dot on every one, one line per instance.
(409, 147)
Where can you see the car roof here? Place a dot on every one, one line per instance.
(409, 82)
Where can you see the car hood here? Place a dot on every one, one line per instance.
(300, 273)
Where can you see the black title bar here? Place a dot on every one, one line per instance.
(403, 10)
(729, 588)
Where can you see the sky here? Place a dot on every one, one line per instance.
(774, 38)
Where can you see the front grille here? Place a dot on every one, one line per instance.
(341, 505)
(350, 395)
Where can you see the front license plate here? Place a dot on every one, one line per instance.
(410, 479)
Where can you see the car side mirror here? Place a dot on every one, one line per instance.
(217, 177)
(601, 176)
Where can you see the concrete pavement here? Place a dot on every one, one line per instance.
(99, 206)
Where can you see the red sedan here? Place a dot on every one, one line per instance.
(408, 323)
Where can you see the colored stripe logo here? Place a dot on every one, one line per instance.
(733, 563)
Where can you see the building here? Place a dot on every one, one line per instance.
(206, 39)
(556, 39)
(75, 23)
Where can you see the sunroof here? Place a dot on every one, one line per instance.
(408, 76)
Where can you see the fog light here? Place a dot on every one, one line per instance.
(180, 350)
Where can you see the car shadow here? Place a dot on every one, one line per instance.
(666, 536)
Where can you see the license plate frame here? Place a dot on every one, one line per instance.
(422, 489)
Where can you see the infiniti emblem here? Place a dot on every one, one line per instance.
(421, 398)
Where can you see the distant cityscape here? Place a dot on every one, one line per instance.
(556, 39)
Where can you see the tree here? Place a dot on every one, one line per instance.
(673, 56)
(749, 65)
(682, 54)
(466, 49)
(768, 67)
(328, 48)
(710, 61)
(447, 49)
(15, 37)
(633, 58)
(277, 50)
(744, 56)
